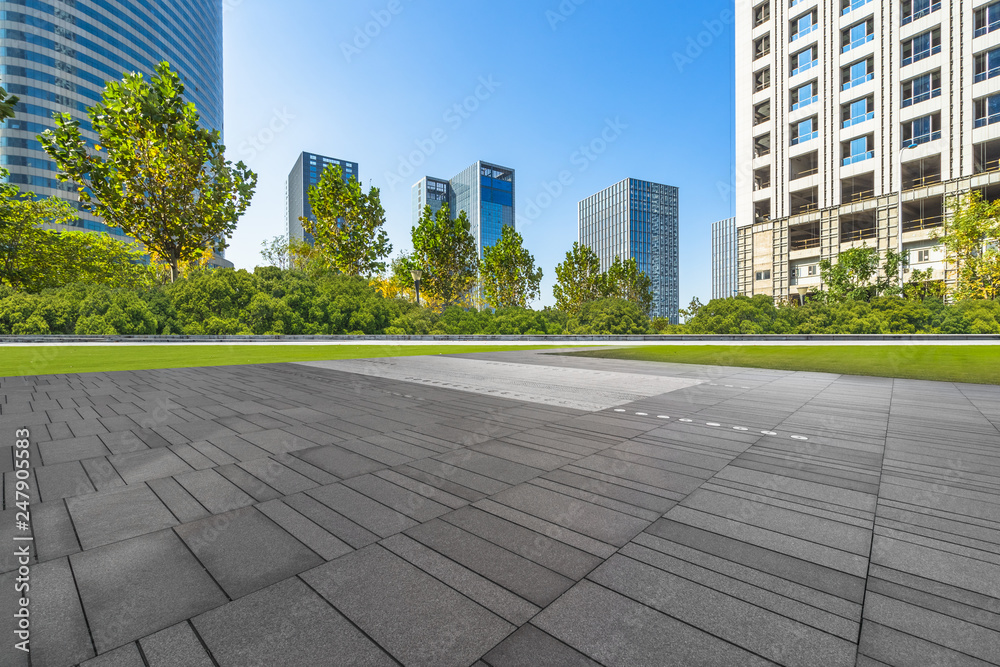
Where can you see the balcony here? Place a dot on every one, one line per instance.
(922, 139)
(858, 42)
(985, 76)
(805, 244)
(806, 102)
(761, 85)
(858, 81)
(857, 188)
(921, 13)
(986, 29)
(805, 31)
(804, 138)
(987, 120)
(927, 53)
(860, 157)
(920, 224)
(859, 195)
(923, 181)
(858, 119)
(855, 4)
(858, 227)
(922, 97)
(805, 68)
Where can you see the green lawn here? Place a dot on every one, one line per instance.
(951, 363)
(49, 360)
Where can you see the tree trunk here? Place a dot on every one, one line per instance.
(174, 271)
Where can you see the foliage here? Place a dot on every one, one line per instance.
(348, 227)
(157, 174)
(856, 275)
(283, 254)
(446, 251)
(692, 310)
(109, 311)
(579, 279)
(610, 316)
(509, 276)
(7, 104)
(624, 280)
(972, 243)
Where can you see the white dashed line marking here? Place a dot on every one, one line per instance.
(712, 424)
(769, 433)
(642, 414)
(662, 417)
(619, 411)
(686, 421)
(740, 428)
(799, 437)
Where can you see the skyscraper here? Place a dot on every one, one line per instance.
(306, 173)
(638, 220)
(724, 259)
(57, 56)
(484, 191)
(843, 104)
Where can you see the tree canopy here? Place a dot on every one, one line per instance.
(509, 277)
(156, 174)
(579, 279)
(972, 243)
(348, 230)
(7, 104)
(446, 251)
(624, 280)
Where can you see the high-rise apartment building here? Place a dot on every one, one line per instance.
(844, 104)
(306, 173)
(638, 220)
(484, 191)
(724, 259)
(57, 56)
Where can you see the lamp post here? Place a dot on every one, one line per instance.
(417, 275)
(899, 208)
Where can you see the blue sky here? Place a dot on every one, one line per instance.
(408, 88)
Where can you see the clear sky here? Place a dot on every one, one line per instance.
(409, 88)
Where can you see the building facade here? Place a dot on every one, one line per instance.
(724, 259)
(849, 112)
(638, 220)
(57, 56)
(304, 175)
(484, 191)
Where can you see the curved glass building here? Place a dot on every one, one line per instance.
(56, 56)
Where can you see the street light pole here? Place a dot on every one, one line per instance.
(417, 275)
(899, 208)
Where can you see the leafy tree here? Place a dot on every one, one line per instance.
(165, 179)
(108, 311)
(610, 317)
(972, 243)
(7, 104)
(509, 276)
(856, 275)
(348, 229)
(692, 310)
(446, 251)
(624, 280)
(579, 279)
(283, 254)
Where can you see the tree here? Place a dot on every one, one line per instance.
(509, 276)
(348, 229)
(610, 317)
(624, 280)
(579, 279)
(446, 251)
(7, 104)
(972, 243)
(283, 254)
(157, 174)
(692, 310)
(856, 276)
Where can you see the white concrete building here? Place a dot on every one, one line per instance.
(840, 104)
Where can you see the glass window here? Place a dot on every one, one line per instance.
(859, 146)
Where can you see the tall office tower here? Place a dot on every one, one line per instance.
(724, 259)
(57, 56)
(841, 105)
(484, 191)
(638, 220)
(306, 173)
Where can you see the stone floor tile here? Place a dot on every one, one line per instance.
(176, 646)
(113, 516)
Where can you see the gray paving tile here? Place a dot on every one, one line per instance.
(437, 626)
(135, 588)
(59, 634)
(283, 479)
(529, 647)
(245, 551)
(63, 480)
(148, 464)
(180, 503)
(286, 624)
(176, 646)
(414, 505)
(306, 531)
(333, 522)
(53, 530)
(112, 516)
(123, 656)
(339, 461)
(212, 490)
(73, 449)
(362, 510)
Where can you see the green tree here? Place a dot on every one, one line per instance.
(579, 279)
(624, 280)
(348, 226)
(856, 275)
(446, 251)
(692, 310)
(157, 174)
(283, 254)
(509, 276)
(972, 243)
(7, 104)
(610, 316)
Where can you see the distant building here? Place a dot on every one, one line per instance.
(306, 173)
(484, 191)
(724, 259)
(638, 220)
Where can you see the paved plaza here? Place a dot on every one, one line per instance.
(503, 510)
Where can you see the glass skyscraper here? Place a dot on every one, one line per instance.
(724, 259)
(306, 173)
(484, 191)
(638, 220)
(56, 57)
